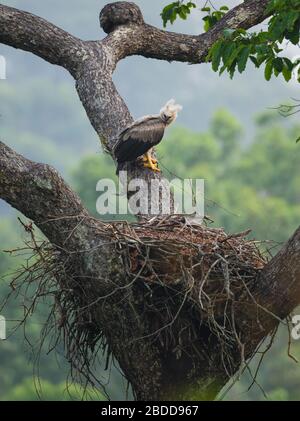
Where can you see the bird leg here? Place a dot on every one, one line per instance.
(150, 162)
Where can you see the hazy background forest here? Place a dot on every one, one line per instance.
(226, 134)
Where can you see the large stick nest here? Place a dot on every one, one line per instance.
(180, 277)
(210, 264)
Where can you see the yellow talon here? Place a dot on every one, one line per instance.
(145, 159)
(150, 162)
(152, 167)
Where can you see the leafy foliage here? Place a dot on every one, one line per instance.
(213, 16)
(236, 47)
(233, 51)
(175, 9)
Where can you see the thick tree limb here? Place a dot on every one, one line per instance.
(31, 33)
(38, 191)
(280, 279)
(137, 38)
(41, 194)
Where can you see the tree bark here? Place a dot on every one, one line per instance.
(92, 249)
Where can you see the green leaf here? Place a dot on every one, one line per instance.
(262, 58)
(287, 74)
(241, 31)
(298, 139)
(269, 70)
(234, 54)
(293, 16)
(227, 51)
(223, 68)
(207, 23)
(263, 36)
(173, 16)
(254, 60)
(278, 64)
(293, 35)
(287, 63)
(169, 13)
(213, 20)
(273, 5)
(262, 49)
(183, 14)
(232, 68)
(218, 15)
(243, 58)
(224, 8)
(216, 55)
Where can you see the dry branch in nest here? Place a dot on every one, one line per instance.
(188, 281)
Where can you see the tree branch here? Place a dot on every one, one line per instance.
(280, 279)
(38, 191)
(41, 194)
(28, 32)
(137, 38)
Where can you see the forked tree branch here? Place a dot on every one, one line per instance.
(40, 193)
(28, 32)
(93, 62)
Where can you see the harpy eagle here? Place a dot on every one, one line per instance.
(138, 139)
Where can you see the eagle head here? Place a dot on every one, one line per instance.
(169, 112)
